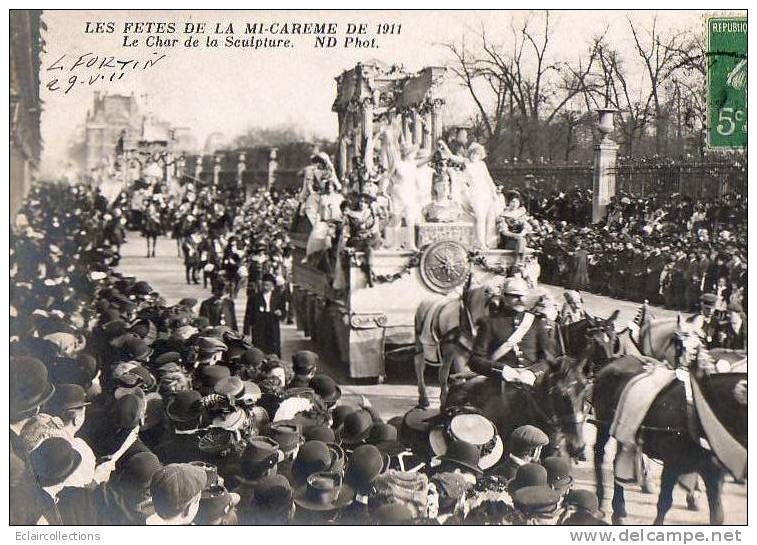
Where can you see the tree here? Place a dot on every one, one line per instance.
(277, 135)
(527, 86)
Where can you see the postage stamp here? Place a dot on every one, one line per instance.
(727, 82)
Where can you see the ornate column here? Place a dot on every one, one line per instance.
(426, 132)
(417, 128)
(437, 127)
(605, 157)
(368, 132)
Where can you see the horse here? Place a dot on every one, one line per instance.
(554, 404)
(665, 432)
(593, 341)
(447, 327)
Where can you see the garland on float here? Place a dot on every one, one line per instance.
(412, 262)
(475, 257)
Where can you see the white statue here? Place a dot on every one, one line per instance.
(480, 195)
(410, 182)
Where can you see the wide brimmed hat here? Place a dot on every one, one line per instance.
(471, 428)
(324, 491)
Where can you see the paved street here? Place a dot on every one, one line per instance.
(166, 274)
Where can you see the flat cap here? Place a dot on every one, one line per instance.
(174, 486)
(528, 436)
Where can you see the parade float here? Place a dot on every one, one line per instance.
(428, 242)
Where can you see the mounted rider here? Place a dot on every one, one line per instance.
(512, 340)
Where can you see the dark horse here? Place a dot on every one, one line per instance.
(554, 404)
(664, 434)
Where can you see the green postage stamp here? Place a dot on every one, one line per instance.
(727, 82)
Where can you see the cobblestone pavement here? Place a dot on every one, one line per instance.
(166, 274)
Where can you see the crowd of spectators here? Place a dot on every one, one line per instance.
(128, 410)
(666, 249)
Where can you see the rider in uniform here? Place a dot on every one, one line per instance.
(511, 340)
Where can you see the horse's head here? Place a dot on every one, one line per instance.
(567, 389)
(690, 351)
(600, 343)
(478, 300)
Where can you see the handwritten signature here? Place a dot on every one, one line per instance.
(88, 69)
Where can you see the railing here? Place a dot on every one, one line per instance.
(711, 180)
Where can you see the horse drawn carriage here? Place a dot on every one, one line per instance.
(358, 301)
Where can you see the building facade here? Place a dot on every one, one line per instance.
(26, 45)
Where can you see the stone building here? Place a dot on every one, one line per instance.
(110, 117)
(26, 45)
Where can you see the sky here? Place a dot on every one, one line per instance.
(229, 90)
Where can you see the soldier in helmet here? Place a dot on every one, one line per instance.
(511, 340)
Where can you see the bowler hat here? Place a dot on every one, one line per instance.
(326, 388)
(313, 456)
(54, 461)
(67, 397)
(583, 499)
(136, 471)
(385, 438)
(529, 475)
(319, 433)
(324, 491)
(210, 375)
(29, 385)
(215, 502)
(363, 466)
(184, 406)
(536, 499)
(355, 428)
(709, 299)
(463, 454)
(339, 413)
(558, 472)
(273, 493)
(304, 362)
